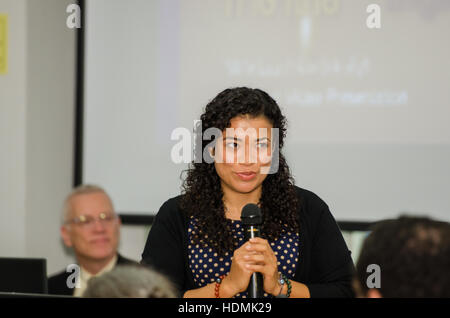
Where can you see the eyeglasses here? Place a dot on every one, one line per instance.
(88, 222)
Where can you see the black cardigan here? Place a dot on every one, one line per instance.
(324, 264)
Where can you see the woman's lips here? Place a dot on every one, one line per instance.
(246, 176)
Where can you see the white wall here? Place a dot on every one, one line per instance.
(13, 134)
(37, 99)
(132, 240)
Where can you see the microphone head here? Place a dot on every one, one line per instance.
(251, 215)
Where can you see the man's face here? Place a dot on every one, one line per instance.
(93, 228)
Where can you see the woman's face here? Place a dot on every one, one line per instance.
(242, 154)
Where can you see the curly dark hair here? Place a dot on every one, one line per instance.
(202, 196)
(413, 254)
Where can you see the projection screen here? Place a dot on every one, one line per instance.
(368, 109)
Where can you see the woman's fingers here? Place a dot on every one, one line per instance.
(255, 258)
(259, 257)
(256, 251)
(258, 244)
(258, 240)
(255, 268)
(257, 248)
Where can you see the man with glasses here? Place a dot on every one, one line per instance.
(91, 228)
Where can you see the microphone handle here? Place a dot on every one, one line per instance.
(256, 286)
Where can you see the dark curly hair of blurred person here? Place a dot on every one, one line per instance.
(202, 193)
(414, 258)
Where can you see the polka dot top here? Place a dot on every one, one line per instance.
(206, 265)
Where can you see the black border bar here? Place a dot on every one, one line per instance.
(79, 101)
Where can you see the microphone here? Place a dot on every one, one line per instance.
(251, 218)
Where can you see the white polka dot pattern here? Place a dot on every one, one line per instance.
(207, 266)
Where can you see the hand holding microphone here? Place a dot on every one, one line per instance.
(254, 266)
(264, 262)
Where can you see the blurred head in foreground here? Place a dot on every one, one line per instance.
(130, 281)
(413, 257)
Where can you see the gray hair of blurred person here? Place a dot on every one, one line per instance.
(130, 281)
(79, 190)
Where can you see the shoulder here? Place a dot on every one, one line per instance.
(310, 201)
(125, 261)
(172, 203)
(313, 210)
(170, 216)
(170, 209)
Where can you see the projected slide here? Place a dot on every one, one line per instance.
(368, 109)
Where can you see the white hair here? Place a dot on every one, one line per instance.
(79, 190)
(130, 281)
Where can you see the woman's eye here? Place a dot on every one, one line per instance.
(232, 145)
(262, 145)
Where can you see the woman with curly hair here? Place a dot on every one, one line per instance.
(197, 238)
